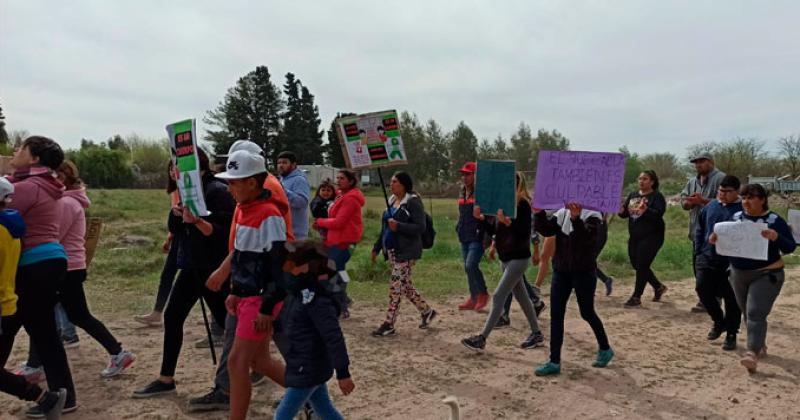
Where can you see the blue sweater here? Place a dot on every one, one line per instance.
(705, 253)
(299, 193)
(784, 244)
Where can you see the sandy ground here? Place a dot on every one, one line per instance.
(665, 368)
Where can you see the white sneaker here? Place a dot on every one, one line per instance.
(118, 363)
(31, 374)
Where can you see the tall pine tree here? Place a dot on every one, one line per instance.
(250, 110)
(463, 147)
(291, 132)
(311, 134)
(333, 148)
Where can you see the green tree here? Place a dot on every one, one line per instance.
(463, 146)
(633, 166)
(311, 149)
(547, 140)
(665, 165)
(436, 162)
(290, 136)
(3, 133)
(522, 148)
(250, 110)
(102, 167)
(789, 147)
(333, 149)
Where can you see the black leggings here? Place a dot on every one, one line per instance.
(642, 251)
(37, 285)
(167, 278)
(561, 288)
(188, 288)
(73, 299)
(17, 386)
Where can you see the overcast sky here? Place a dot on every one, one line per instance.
(655, 75)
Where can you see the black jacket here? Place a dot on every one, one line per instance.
(319, 207)
(651, 222)
(512, 242)
(468, 228)
(410, 217)
(206, 252)
(576, 252)
(316, 343)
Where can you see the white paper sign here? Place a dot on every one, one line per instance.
(794, 223)
(741, 239)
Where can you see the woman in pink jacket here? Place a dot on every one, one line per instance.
(72, 208)
(344, 227)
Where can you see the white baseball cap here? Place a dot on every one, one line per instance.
(243, 164)
(247, 145)
(6, 188)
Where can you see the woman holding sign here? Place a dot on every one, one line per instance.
(577, 234)
(513, 243)
(757, 283)
(644, 210)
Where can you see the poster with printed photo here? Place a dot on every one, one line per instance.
(183, 146)
(371, 140)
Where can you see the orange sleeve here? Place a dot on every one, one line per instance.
(232, 234)
(281, 201)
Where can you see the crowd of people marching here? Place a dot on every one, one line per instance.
(252, 264)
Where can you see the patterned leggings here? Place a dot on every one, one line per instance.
(401, 286)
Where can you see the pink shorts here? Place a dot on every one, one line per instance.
(247, 313)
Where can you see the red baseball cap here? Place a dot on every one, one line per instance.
(468, 168)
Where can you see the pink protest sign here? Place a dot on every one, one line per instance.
(592, 179)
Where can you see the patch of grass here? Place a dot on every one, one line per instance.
(132, 273)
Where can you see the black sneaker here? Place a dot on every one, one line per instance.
(475, 343)
(214, 400)
(730, 342)
(715, 333)
(633, 302)
(384, 330)
(36, 411)
(50, 407)
(503, 322)
(309, 414)
(427, 318)
(699, 308)
(155, 388)
(534, 340)
(539, 308)
(659, 292)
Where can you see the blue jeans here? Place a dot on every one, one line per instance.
(472, 252)
(63, 323)
(317, 396)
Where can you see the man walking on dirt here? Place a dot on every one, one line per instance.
(698, 192)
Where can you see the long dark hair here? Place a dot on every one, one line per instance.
(405, 180)
(171, 184)
(653, 177)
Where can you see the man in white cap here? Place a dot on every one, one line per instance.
(698, 192)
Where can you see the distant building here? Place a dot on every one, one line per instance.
(318, 173)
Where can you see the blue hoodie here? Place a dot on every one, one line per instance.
(714, 212)
(12, 221)
(299, 193)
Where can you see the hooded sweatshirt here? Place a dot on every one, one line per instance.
(36, 195)
(73, 227)
(12, 229)
(299, 193)
(344, 223)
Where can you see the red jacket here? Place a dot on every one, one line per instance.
(344, 225)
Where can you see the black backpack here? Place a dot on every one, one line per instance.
(429, 235)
